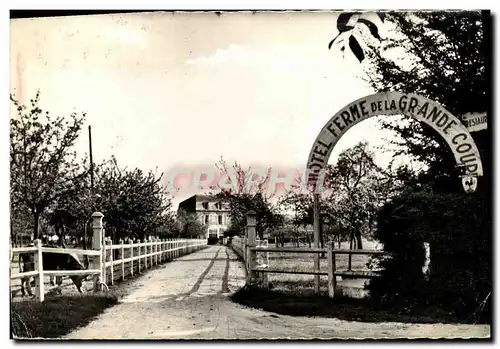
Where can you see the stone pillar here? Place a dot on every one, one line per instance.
(96, 261)
(251, 242)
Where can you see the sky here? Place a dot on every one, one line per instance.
(179, 90)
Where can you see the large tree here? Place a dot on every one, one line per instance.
(244, 192)
(43, 165)
(355, 189)
(189, 225)
(134, 203)
(358, 188)
(445, 60)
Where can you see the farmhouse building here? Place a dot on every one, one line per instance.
(210, 211)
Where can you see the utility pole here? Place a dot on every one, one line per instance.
(91, 191)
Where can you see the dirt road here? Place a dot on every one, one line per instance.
(188, 299)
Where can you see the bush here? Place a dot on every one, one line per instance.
(457, 226)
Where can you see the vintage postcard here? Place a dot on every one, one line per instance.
(246, 175)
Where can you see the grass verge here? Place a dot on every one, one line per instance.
(342, 308)
(56, 316)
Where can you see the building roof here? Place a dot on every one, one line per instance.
(198, 198)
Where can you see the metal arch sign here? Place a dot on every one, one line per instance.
(390, 103)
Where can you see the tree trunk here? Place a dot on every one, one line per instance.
(349, 266)
(12, 235)
(260, 232)
(86, 261)
(36, 223)
(358, 238)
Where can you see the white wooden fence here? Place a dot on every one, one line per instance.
(131, 259)
(124, 260)
(258, 266)
(39, 273)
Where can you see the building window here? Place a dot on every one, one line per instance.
(206, 219)
(204, 205)
(219, 217)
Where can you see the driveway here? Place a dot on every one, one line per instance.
(188, 299)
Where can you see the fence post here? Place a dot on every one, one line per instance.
(160, 249)
(131, 243)
(104, 258)
(156, 251)
(251, 242)
(111, 258)
(165, 250)
(40, 285)
(122, 257)
(332, 279)
(96, 261)
(151, 244)
(317, 228)
(138, 242)
(427, 261)
(171, 249)
(145, 242)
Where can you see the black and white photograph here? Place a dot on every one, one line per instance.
(250, 175)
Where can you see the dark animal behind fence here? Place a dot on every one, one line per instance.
(51, 261)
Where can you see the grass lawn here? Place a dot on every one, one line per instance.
(343, 308)
(56, 316)
(59, 315)
(304, 284)
(293, 295)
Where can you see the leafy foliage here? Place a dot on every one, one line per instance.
(347, 22)
(49, 183)
(134, 203)
(189, 226)
(356, 189)
(459, 236)
(247, 195)
(445, 62)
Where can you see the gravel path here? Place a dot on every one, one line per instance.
(188, 299)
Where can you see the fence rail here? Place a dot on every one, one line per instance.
(259, 271)
(134, 257)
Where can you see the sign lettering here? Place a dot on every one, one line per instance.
(390, 103)
(475, 121)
